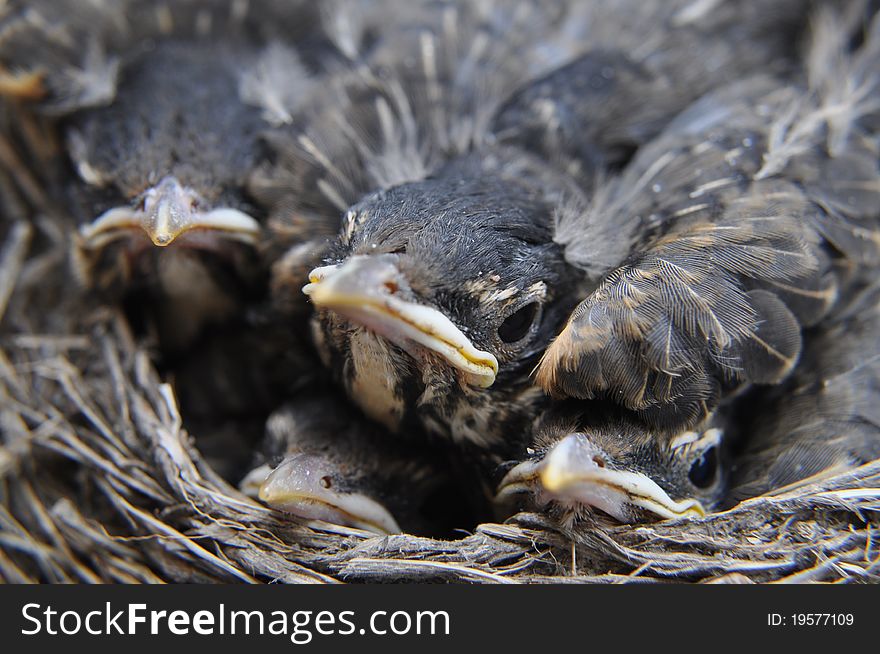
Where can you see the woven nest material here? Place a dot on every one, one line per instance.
(100, 481)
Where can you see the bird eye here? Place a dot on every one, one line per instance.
(703, 470)
(517, 325)
(326, 482)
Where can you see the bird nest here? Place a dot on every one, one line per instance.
(101, 481)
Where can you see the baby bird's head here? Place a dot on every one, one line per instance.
(441, 295)
(580, 461)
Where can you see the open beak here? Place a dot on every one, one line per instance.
(296, 487)
(169, 210)
(574, 472)
(366, 290)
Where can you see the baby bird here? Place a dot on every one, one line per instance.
(420, 319)
(323, 461)
(162, 107)
(690, 273)
(825, 419)
(585, 456)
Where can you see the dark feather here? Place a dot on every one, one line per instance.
(825, 419)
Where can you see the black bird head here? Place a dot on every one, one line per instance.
(173, 149)
(324, 487)
(583, 459)
(162, 107)
(441, 294)
(327, 462)
(169, 159)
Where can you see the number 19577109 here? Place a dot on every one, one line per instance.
(810, 620)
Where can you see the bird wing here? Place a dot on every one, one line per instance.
(743, 218)
(662, 332)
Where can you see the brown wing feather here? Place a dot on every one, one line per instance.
(663, 332)
(765, 199)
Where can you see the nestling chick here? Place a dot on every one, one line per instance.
(163, 128)
(424, 318)
(586, 456)
(695, 268)
(326, 462)
(172, 173)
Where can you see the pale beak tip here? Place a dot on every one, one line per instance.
(485, 380)
(265, 493)
(310, 289)
(698, 509)
(161, 240)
